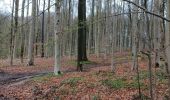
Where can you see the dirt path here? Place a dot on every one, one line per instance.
(8, 79)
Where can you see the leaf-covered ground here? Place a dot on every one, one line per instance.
(97, 82)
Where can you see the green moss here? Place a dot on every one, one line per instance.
(142, 75)
(161, 77)
(71, 81)
(104, 74)
(134, 84)
(87, 62)
(45, 78)
(74, 62)
(96, 97)
(116, 84)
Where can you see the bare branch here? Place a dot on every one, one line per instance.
(145, 10)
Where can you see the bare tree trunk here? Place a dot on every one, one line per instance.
(150, 48)
(57, 31)
(134, 37)
(91, 35)
(167, 35)
(37, 35)
(31, 35)
(81, 34)
(84, 51)
(11, 34)
(27, 28)
(42, 31)
(48, 30)
(15, 28)
(97, 34)
(22, 32)
(69, 28)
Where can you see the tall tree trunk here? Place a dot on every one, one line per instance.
(134, 37)
(31, 35)
(37, 35)
(105, 28)
(91, 35)
(84, 51)
(22, 31)
(167, 35)
(69, 28)
(150, 48)
(57, 31)
(81, 34)
(97, 35)
(80, 31)
(48, 30)
(27, 28)
(42, 31)
(11, 34)
(15, 28)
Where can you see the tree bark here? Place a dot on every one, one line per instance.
(167, 39)
(42, 31)
(134, 37)
(31, 35)
(81, 34)
(11, 34)
(48, 30)
(22, 32)
(84, 56)
(57, 31)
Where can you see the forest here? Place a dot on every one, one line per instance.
(84, 49)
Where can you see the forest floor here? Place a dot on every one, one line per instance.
(96, 82)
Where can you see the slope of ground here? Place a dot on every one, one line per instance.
(97, 82)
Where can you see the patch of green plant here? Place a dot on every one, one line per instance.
(140, 97)
(43, 78)
(142, 75)
(134, 84)
(96, 97)
(71, 81)
(116, 84)
(109, 74)
(87, 62)
(56, 98)
(72, 62)
(122, 58)
(105, 74)
(161, 76)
